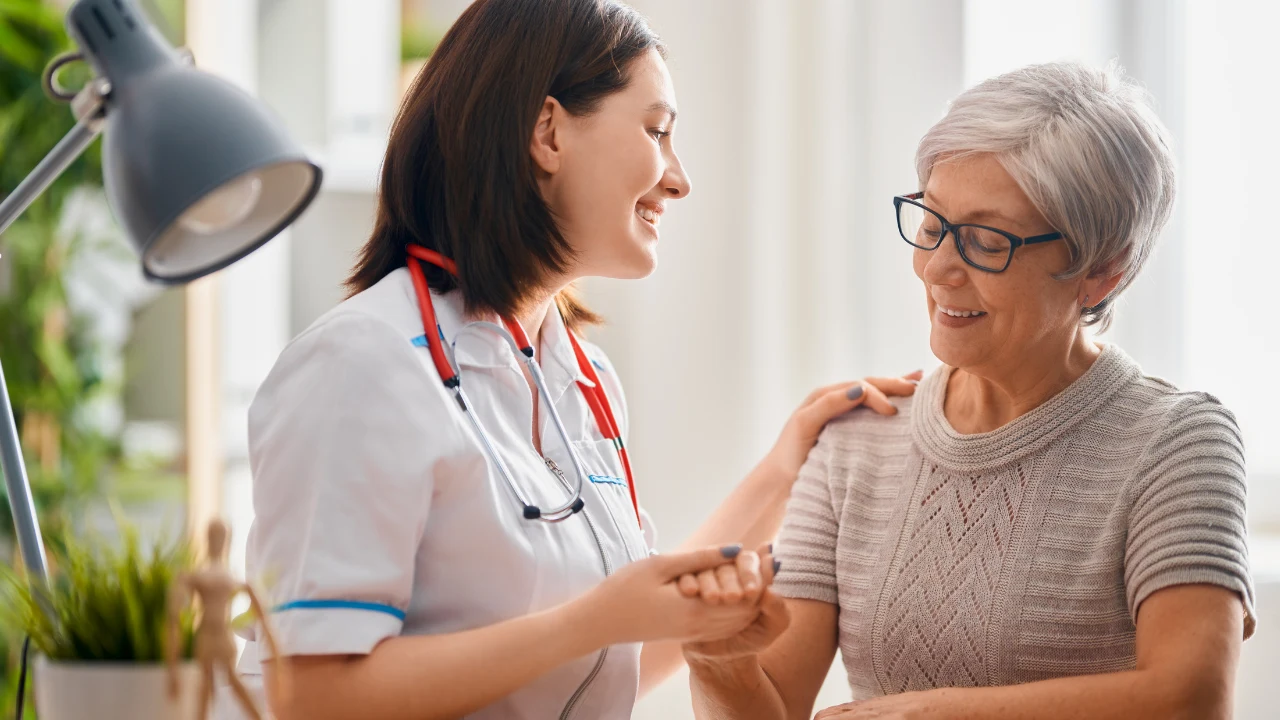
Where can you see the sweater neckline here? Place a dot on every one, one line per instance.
(1025, 435)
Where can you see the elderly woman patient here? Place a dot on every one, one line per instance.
(1043, 531)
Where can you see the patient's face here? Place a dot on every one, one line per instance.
(1011, 314)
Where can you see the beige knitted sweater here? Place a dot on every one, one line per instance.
(1020, 554)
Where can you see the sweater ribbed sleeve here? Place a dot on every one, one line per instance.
(1187, 519)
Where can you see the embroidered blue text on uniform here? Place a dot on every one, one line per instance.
(421, 340)
(607, 480)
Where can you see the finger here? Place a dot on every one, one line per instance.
(775, 616)
(695, 561)
(848, 711)
(688, 585)
(835, 403)
(709, 587)
(749, 576)
(877, 401)
(813, 396)
(893, 386)
(916, 375)
(769, 565)
(730, 588)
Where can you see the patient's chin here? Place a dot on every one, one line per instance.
(950, 352)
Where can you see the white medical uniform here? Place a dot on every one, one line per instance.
(378, 514)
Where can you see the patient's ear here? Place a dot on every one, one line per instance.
(1100, 284)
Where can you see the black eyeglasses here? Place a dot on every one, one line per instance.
(986, 248)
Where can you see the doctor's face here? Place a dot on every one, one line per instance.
(617, 171)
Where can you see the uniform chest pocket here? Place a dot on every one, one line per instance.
(607, 486)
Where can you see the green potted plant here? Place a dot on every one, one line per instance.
(100, 630)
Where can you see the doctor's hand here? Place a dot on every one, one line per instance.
(641, 602)
(744, 581)
(823, 405)
(763, 630)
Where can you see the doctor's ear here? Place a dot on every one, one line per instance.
(544, 147)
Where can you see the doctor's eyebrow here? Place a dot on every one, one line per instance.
(664, 106)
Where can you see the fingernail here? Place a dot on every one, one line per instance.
(777, 565)
(854, 393)
(731, 551)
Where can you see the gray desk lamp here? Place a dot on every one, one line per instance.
(197, 172)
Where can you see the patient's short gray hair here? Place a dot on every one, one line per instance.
(1087, 149)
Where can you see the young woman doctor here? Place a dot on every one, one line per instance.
(445, 527)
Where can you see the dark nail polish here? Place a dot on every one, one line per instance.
(854, 393)
(731, 551)
(770, 548)
(777, 565)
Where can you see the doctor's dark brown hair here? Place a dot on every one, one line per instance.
(458, 177)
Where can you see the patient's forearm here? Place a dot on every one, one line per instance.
(737, 689)
(1129, 695)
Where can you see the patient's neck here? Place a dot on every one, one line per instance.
(983, 399)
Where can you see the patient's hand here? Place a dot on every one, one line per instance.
(769, 623)
(767, 627)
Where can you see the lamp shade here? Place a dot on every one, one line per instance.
(198, 172)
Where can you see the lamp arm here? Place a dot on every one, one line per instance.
(89, 107)
(20, 502)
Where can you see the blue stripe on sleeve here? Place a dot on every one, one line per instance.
(395, 612)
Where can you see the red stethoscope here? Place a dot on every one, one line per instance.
(515, 336)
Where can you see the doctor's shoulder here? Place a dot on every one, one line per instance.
(356, 343)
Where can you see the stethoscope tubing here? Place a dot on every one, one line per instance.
(574, 504)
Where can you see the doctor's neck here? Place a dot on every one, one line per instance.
(532, 313)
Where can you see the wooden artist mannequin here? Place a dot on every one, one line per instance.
(215, 646)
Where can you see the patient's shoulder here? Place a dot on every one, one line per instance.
(867, 436)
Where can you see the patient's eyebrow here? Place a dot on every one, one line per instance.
(973, 216)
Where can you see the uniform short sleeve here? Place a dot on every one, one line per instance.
(342, 450)
(1187, 519)
(807, 543)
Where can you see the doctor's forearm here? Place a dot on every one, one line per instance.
(751, 514)
(439, 676)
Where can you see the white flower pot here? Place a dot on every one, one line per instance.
(113, 691)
